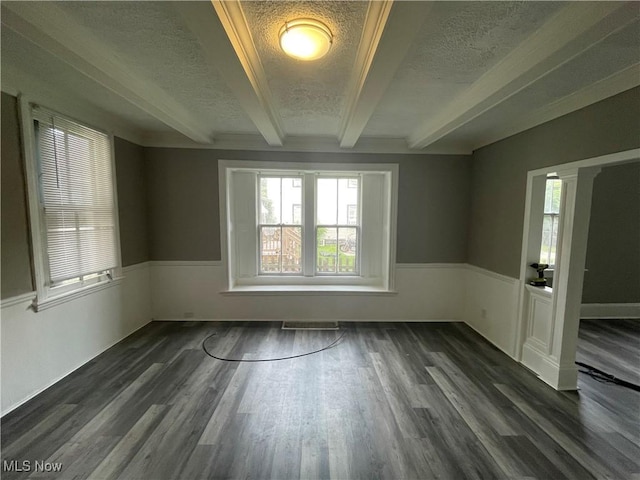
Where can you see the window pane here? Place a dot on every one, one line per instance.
(554, 241)
(327, 198)
(270, 200)
(291, 201)
(552, 196)
(297, 214)
(291, 250)
(548, 196)
(348, 201)
(348, 250)
(270, 248)
(546, 239)
(556, 191)
(327, 249)
(75, 178)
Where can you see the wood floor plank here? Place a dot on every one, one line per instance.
(482, 430)
(126, 448)
(389, 401)
(565, 440)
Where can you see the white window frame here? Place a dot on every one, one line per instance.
(309, 281)
(47, 295)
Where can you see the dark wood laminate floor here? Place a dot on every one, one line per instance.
(390, 401)
(612, 346)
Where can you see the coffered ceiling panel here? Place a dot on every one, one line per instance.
(457, 44)
(26, 68)
(151, 38)
(308, 95)
(570, 87)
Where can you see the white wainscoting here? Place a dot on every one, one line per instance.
(490, 307)
(192, 290)
(38, 349)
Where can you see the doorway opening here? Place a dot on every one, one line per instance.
(548, 318)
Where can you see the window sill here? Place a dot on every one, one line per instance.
(55, 300)
(306, 290)
(545, 292)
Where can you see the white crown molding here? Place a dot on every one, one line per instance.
(234, 56)
(388, 32)
(370, 145)
(596, 92)
(51, 29)
(576, 28)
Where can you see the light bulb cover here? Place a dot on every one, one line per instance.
(305, 39)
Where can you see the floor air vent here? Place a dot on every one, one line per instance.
(297, 325)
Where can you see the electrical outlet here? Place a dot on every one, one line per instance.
(483, 313)
(188, 315)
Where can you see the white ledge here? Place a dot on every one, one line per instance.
(545, 292)
(43, 304)
(306, 290)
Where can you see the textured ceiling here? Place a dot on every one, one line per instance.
(309, 95)
(457, 44)
(184, 73)
(611, 55)
(22, 59)
(151, 39)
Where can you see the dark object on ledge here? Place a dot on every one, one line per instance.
(540, 281)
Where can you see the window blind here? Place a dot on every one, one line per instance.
(76, 195)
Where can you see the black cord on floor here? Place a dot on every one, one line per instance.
(605, 377)
(256, 360)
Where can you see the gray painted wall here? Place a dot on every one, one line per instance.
(613, 248)
(433, 202)
(16, 259)
(451, 208)
(131, 177)
(499, 172)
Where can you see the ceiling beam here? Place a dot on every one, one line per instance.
(607, 87)
(576, 28)
(388, 32)
(51, 29)
(233, 54)
(17, 82)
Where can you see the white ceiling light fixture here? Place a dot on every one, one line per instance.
(305, 39)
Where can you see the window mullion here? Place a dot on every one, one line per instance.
(309, 227)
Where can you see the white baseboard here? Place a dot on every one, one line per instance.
(548, 370)
(608, 311)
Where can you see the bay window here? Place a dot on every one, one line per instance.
(304, 226)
